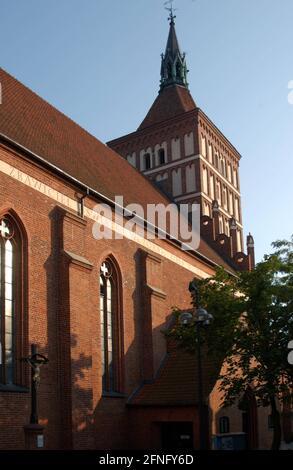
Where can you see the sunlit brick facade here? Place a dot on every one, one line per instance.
(98, 309)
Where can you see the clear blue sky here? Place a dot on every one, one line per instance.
(98, 61)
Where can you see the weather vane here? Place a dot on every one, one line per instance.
(170, 9)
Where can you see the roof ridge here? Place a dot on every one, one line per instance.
(174, 100)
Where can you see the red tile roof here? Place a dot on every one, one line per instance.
(172, 101)
(36, 125)
(177, 381)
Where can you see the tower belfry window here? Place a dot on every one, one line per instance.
(161, 156)
(147, 161)
(178, 70)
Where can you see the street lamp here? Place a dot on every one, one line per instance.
(201, 318)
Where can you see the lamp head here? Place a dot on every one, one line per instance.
(185, 318)
(202, 316)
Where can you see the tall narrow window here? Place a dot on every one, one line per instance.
(147, 161)
(227, 228)
(210, 153)
(224, 425)
(161, 156)
(178, 70)
(229, 173)
(217, 161)
(203, 146)
(221, 224)
(111, 328)
(237, 208)
(231, 207)
(225, 198)
(235, 179)
(218, 192)
(205, 180)
(212, 188)
(223, 166)
(11, 315)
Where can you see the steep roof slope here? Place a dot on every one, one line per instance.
(39, 127)
(171, 101)
(32, 122)
(176, 381)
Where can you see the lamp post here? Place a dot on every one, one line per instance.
(201, 318)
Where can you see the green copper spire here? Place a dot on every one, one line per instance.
(173, 69)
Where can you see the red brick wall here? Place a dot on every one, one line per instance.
(63, 306)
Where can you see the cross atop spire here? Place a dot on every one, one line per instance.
(171, 10)
(173, 68)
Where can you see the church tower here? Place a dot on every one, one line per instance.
(182, 151)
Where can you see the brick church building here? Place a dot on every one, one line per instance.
(96, 308)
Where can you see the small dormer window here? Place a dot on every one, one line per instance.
(161, 157)
(147, 161)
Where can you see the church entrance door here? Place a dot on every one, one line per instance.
(177, 435)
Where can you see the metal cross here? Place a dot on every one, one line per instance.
(170, 9)
(4, 229)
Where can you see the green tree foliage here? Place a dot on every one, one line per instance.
(253, 324)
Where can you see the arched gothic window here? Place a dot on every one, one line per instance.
(12, 327)
(111, 327)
